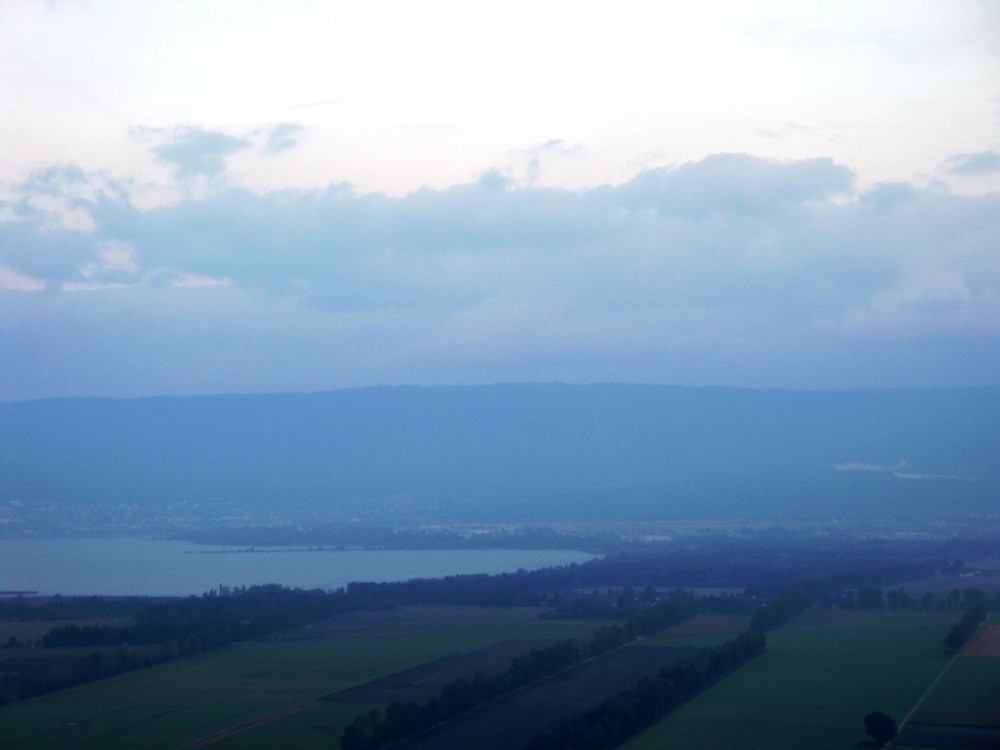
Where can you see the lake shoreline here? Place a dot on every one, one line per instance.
(140, 566)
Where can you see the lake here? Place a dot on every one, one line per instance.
(151, 567)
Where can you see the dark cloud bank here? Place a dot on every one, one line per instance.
(732, 270)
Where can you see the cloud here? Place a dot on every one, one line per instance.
(901, 470)
(91, 286)
(35, 248)
(197, 152)
(53, 236)
(738, 183)
(528, 162)
(60, 197)
(17, 281)
(732, 270)
(191, 280)
(861, 466)
(282, 137)
(551, 147)
(982, 162)
(114, 267)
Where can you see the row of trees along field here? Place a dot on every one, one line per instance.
(163, 630)
(615, 719)
(619, 718)
(27, 683)
(872, 597)
(962, 630)
(779, 610)
(375, 729)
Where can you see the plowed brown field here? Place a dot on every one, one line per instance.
(986, 642)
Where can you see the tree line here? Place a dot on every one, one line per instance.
(377, 729)
(962, 630)
(871, 597)
(26, 609)
(779, 610)
(165, 630)
(55, 675)
(618, 719)
(614, 720)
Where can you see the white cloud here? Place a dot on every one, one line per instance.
(118, 256)
(860, 466)
(392, 96)
(60, 215)
(193, 280)
(20, 282)
(729, 270)
(900, 470)
(91, 286)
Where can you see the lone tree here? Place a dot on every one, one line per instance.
(880, 727)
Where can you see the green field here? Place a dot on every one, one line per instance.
(971, 684)
(171, 704)
(820, 675)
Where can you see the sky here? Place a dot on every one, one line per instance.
(300, 196)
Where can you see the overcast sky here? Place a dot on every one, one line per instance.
(258, 196)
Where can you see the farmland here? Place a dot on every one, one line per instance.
(820, 675)
(300, 687)
(511, 722)
(176, 703)
(962, 710)
(702, 631)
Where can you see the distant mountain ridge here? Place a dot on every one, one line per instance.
(532, 452)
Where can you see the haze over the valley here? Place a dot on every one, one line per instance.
(515, 454)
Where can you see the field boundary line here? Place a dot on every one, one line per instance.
(923, 696)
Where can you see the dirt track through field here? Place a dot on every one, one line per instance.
(923, 696)
(208, 739)
(966, 651)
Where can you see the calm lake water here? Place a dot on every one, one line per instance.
(131, 566)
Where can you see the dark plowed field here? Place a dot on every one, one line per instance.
(508, 724)
(422, 683)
